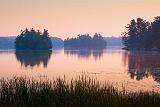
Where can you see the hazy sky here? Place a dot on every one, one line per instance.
(67, 18)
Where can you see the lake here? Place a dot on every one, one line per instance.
(134, 70)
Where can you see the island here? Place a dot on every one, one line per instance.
(85, 41)
(33, 40)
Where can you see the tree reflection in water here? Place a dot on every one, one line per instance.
(33, 58)
(143, 64)
(86, 53)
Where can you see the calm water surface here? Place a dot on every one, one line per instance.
(135, 70)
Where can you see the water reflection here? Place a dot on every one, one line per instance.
(85, 53)
(33, 58)
(142, 65)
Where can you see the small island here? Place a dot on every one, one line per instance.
(33, 40)
(85, 41)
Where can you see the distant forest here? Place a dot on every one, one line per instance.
(85, 41)
(142, 35)
(114, 41)
(7, 42)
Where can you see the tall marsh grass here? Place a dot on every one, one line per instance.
(81, 92)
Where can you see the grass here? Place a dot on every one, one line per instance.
(81, 92)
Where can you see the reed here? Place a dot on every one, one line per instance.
(81, 92)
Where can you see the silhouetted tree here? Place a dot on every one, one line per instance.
(154, 37)
(33, 40)
(135, 36)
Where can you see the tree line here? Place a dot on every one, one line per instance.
(85, 41)
(142, 35)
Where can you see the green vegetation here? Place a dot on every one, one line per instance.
(142, 35)
(85, 41)
(82, 92)
(33, 40)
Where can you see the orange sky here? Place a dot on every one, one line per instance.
(67, 18)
